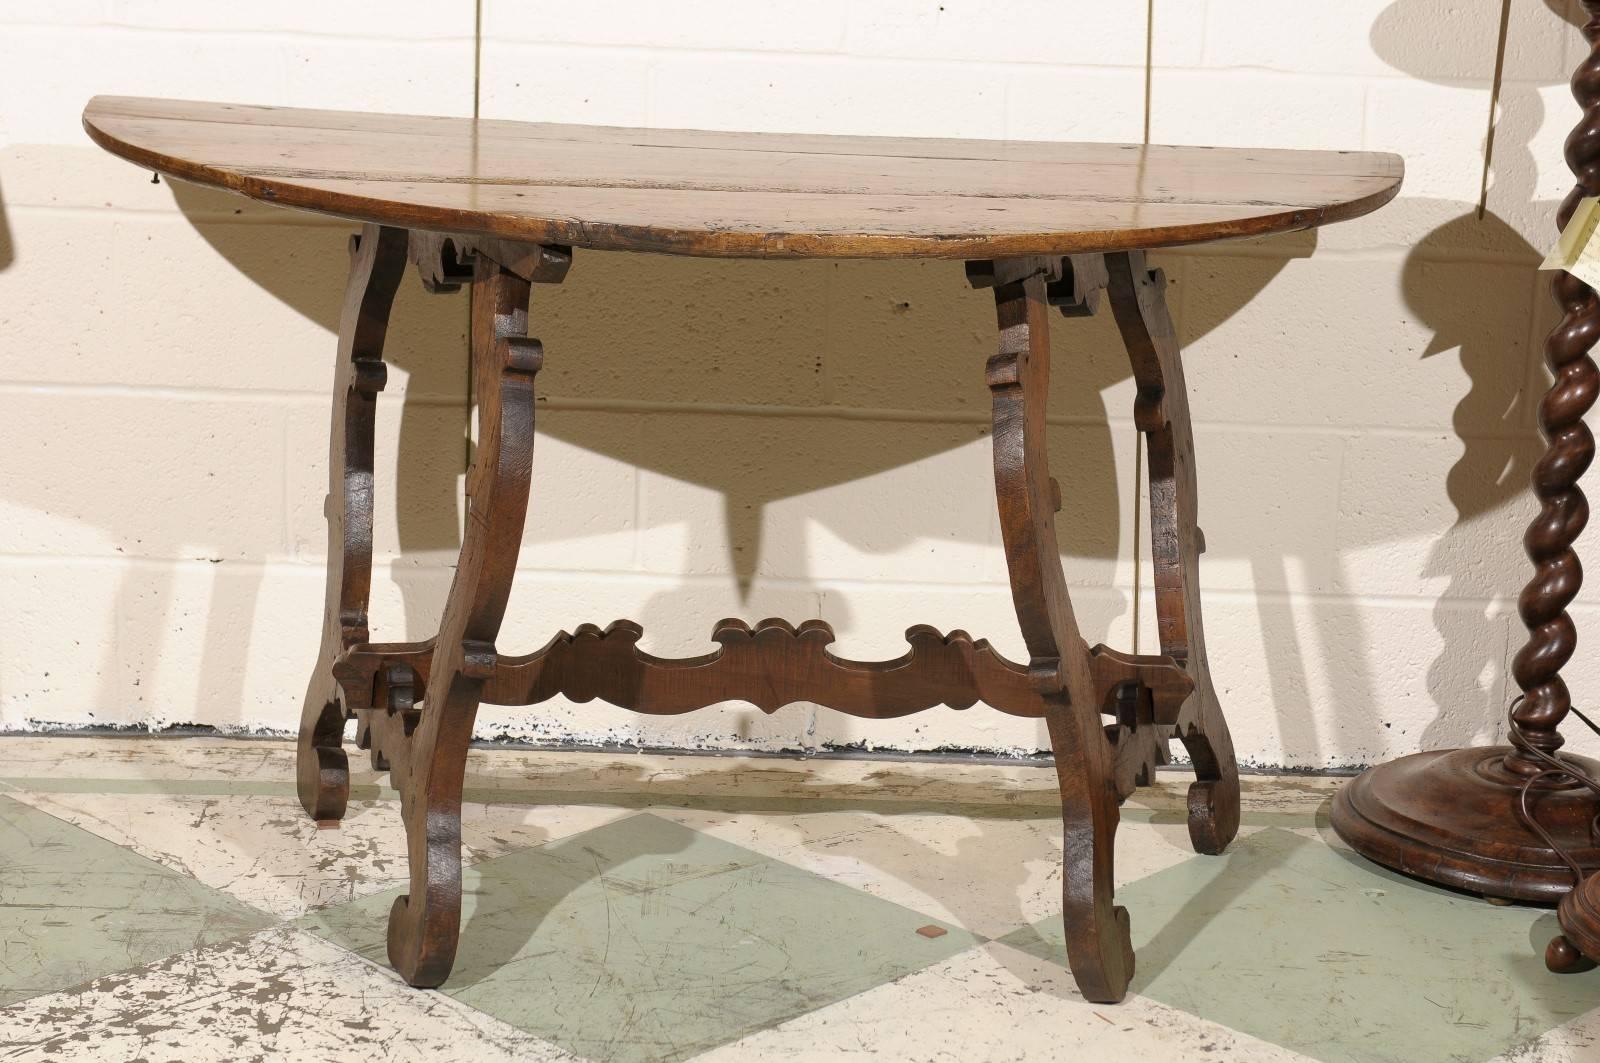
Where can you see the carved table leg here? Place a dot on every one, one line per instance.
(1162, 413)
(428, 753)
(378, 259)
(1099, 948)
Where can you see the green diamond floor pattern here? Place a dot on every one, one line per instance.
(646, 940)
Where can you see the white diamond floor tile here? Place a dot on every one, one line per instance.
(988, 875)
(269, 854)
(277, 996)
(995, 1004)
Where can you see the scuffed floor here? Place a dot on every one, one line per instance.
(166, 899)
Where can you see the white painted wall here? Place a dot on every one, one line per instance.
(799, 439)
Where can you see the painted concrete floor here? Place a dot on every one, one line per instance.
(166, 899)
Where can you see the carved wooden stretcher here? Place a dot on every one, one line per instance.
(501, 205)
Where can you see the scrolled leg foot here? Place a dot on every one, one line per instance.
(1214, 795)
(1098, 933)
(322, 770)
(1213, 815)
(425, 925)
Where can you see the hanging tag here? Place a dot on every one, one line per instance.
(1577, 250)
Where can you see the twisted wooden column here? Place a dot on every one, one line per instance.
(1563, 509)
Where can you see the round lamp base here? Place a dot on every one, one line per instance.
(1451, 817)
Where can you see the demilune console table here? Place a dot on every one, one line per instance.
(502, 206)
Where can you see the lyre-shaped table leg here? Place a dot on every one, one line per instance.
(1138, 301)
(377, 262)
(1099, 948)
(429, 764)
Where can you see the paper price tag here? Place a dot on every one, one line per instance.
(1577, 251)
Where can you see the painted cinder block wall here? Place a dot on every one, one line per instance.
(795, 439)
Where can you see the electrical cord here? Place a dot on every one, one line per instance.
(1562, 769)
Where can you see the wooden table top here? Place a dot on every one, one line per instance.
(762, 195)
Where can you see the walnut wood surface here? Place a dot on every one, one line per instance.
(377, 262)
(1099, 764)
(1450, 816)
(1099, 948)
(1138, 301)
(741, 194)
(769, 666)
(1563, 509)
(428, 756)
(1563, 513)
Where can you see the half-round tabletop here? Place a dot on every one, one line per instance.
(766, 195)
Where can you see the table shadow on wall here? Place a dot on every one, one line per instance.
(817, 375)
(307, 264)
(657, 331)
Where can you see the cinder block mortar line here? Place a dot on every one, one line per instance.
(1245, 70)
(267, 396)
(1373, 252)
(646, 52)
(1203, 425)
(1516, 635)
(317, 400)
(286, 499)
(1234, 70)
(231, 34)
(820, 583)
(387, 564)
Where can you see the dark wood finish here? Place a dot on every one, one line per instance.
(1098, 945)
(377, 262)
(767, 195)
(1110, 715)
(1563, 509)
(1453, 816)
(1563, 512)
(1577, 947)
(1099, 764)
(427, 752)
(1450, 816)
(770, 666)
(1162, 413)
(498, 205)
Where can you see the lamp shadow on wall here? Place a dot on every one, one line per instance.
(8, 249)
(1491, 262)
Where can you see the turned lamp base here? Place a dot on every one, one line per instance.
(1451, 817)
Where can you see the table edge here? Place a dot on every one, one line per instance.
(704, 243)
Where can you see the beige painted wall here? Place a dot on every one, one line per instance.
(794, 439)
